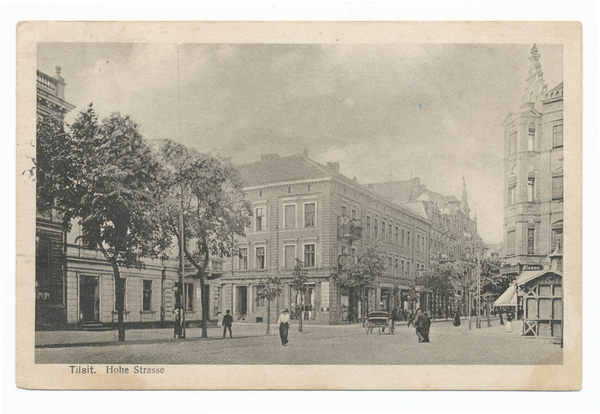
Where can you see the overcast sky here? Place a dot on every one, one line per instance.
(434, 109)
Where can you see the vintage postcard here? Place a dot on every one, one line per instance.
(299, 205)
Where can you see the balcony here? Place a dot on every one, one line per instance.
(350, 229)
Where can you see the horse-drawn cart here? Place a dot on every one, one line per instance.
(380, 320)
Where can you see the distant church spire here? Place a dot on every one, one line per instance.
(464, 203)
(536, 85)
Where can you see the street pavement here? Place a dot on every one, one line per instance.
(343, 344)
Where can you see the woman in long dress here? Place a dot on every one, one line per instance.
(456, 319)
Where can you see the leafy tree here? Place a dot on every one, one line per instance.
(362, 272)
(298, 283)
(207, 190)
(438, 280)
(104, 176)
(269, 290)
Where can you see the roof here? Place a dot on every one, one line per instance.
(529, 275)
(417, 207)
(282, 169)
(508, 298)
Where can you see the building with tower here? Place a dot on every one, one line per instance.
(533, 172)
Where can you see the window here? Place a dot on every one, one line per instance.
(396, 268)
(375, 230)
(390, 268)
(309, 215)
(557, 236)
(123, 283)
(147, 295)
(189, 297)
(531, 188)
(557, 186)
(260, 303)
(260, 257)
(243, 262)
(290, 257)
(557, 136)
(408, 241)
(512, 143)
(344, 210)
(512, 194)
(396, 236)
(260, 219)
(402, 237)
(383, 230)
(530, 241)
(290, 216)
(418, 242)
(353, 214)
(531, 138)
(402, 269)
(510, 242)
(368, 226)
(390, 233)
(408, 269)
(309, 255)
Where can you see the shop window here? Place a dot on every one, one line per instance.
(309, 255)
(147, 296)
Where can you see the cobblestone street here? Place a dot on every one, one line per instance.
(345, 344)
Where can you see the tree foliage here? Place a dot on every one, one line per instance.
(105, 177)
(367, 265)
(207, 190)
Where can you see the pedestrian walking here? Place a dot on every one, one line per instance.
(227, 322)
(419, 324)
(456, 319)
(284, 326)
(426, 326)
(411, 318)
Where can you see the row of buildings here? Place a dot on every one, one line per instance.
(302, 209)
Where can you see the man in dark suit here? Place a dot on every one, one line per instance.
(227, 322)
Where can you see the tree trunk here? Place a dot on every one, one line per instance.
(488, 314)
(500, 313)
(120, 300)
(204, 298)
(269, 315)
(301, 313)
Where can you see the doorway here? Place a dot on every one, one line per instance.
(89, 299)
(242, 301)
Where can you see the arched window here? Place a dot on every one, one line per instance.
(531, 187)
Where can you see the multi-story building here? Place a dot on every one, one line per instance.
(533, 172)
(309, 211)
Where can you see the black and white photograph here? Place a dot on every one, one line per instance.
(330, 203)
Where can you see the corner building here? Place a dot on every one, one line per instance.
(533, 168)
(309, 211)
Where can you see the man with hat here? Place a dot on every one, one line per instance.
(284, 325)
(227, 322)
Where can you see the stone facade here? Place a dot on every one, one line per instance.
(533, 165)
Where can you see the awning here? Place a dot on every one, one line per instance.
(528, 275)
(508, 298)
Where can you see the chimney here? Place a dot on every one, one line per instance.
(305, 152)
(268, 157)
(335, 166)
